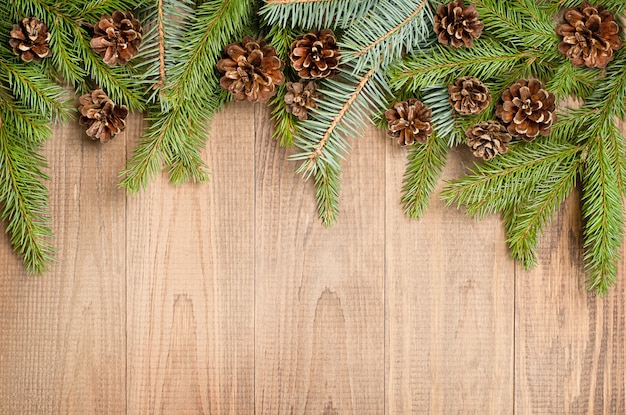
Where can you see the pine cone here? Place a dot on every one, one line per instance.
(117, 38)
(468, 95)
(251, 70)
(527, 109)
(488, 139)
(315, 54)
(101, 115)
(457, 25)
(300, 97)
(409, 121)
(30, 39)
(590, 36)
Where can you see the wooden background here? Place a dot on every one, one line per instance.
(231, 298)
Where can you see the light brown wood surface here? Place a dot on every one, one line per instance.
(232, 298)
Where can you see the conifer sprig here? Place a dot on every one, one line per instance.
(315, 14)
(392, 28)
(425, 162)
(286, 125)
(189, 97)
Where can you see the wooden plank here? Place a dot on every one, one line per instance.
(62, 348)
(449, 305)
(191, 282)
(319, 292)
(570, 345)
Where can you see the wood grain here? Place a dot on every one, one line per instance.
(449, 306)
(63, 348)
(191, 280)
(319, 292)
(570, 346)
(231, 298)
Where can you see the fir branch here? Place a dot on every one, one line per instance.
(167, 27)
(444, 118)
(569, 80)
(440, 65)
(327, 193)
(602, 211)
(522, 23)
(286, 125)
(393, 27)
(24, 197)
(314, 14)
(28, 84)
(615, 6)
(506, 180)
(526, 223)
(347, 101)
(180, 132)
(425, 163)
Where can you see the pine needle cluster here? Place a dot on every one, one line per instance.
(372, 35)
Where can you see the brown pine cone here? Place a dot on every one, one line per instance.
(488, 139)
(103, 118)
(251, 70)
(590, 36)
(457, 25)
(527, 109)
(30, 39)
(468, 95)
(315, 55)
(300, 97)
(116, 38)
(409, 121)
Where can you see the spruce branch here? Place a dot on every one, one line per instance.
(179, 133)
(347, 102)
(393, 27)
(314, 14)
(23, 195)
(327, 184)
(527, 220)
(602, 210)
(522, 23)
(286, 125)
(615, 6)
(425, 162)
(444, 118)
(487, 59)
(506, 180)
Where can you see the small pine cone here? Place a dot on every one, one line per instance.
(103, 118)
(251, 70)
(468, 95)
(30, 40)
(315, 55)
(590, 36)
(409, 121)
(116, 38)
(457, 25)
(300, 97)
(527, 109)
(488, 139)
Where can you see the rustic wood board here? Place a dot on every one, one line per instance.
(231, 298)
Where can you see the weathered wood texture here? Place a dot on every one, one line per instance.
(231, 298)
